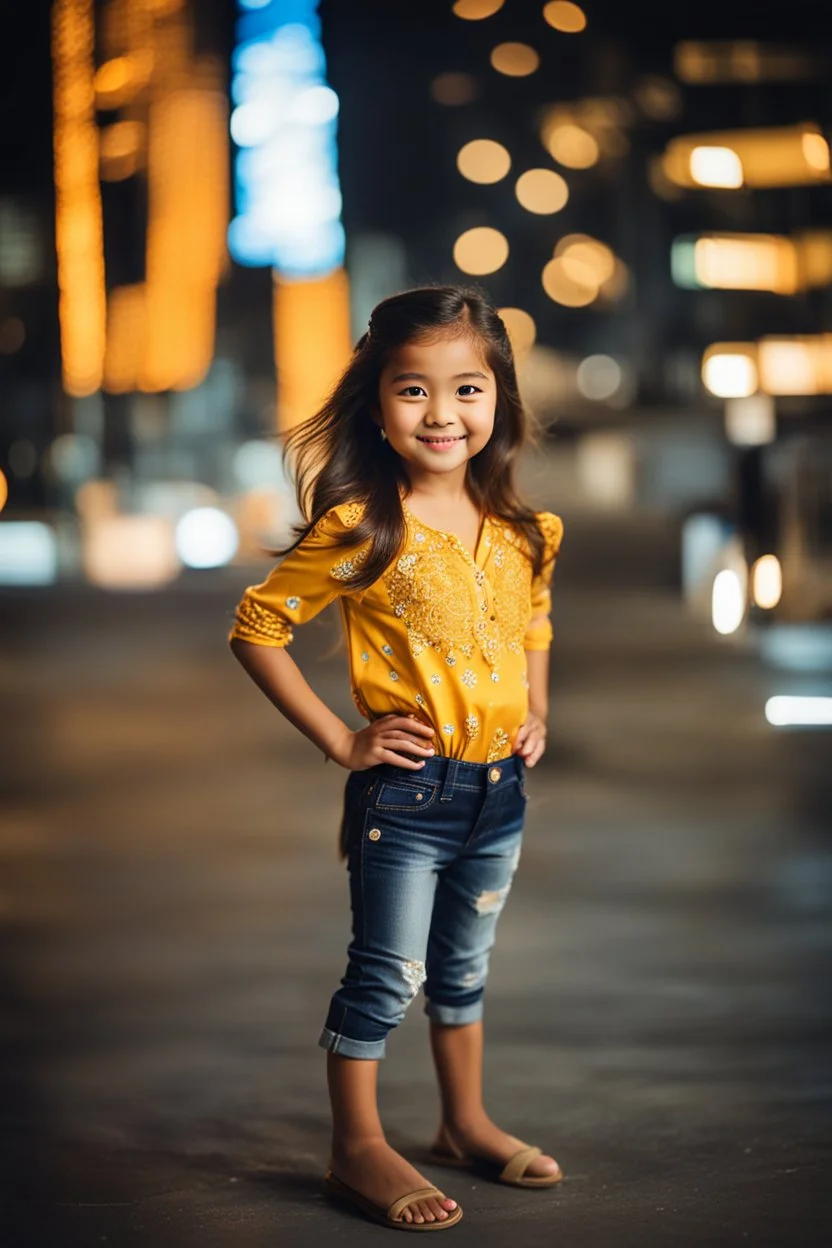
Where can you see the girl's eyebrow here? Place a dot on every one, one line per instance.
(422, 377)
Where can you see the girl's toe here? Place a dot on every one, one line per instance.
(427, 1212)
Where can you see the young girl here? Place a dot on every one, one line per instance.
(442, 577)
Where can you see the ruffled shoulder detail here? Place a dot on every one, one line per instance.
(348, 514)
(551, 526)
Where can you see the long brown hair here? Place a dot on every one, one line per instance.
(339, 456)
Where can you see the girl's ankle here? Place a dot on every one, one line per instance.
(463, 1124)
(353, 1145)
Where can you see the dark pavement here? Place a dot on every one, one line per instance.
(173, 919)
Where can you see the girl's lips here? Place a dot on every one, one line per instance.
(441, 444)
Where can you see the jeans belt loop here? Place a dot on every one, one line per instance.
(449, 781)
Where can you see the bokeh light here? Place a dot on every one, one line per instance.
(483, 160)
(28, 553)
(573, 146)
(729, 374)
(573, 285)
(206, 538)
(515, 60)
(521, 330)
(599, 377)
(767, 582)
(477, 10)
(129, 552)
(583, 250)
(542, 191)
(716, 166)
(481, 250)
(453, 89)
(566, 17)
(4, 490)
(783, 711)
(727, 602)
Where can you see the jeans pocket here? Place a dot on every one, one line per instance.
(410, 796)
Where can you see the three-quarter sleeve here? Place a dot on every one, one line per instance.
(306, 580)
(539, 630)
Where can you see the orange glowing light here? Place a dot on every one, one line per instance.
(515, 60)
(311, 341)
(78, 216)
(477, 10)
(566, 17)
(481, 250)
(4, 490)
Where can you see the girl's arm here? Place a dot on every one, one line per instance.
(307, 580)
(276, 673)
(537, 668)
(390, 739)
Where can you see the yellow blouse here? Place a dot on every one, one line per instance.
(439, 634)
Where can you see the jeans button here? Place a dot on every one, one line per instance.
(494, 775)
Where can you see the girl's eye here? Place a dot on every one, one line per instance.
(472, 389)
(407, 391)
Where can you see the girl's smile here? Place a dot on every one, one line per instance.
(439, 443)
(437, 393)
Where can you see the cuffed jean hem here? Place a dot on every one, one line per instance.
(454, 1015)
(370, 1050)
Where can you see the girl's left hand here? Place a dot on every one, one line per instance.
(531, 739)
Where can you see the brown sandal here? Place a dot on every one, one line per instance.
(390, 1217)
(513, 1172)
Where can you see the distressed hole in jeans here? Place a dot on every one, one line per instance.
(492, 901)
(413, 974)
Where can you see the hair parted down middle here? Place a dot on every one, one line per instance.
(338, 456)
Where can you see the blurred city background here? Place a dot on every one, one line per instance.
(200, 203)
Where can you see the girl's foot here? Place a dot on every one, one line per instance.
(382, 1175)
(484, 1138)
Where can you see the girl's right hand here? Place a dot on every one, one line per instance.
(381, 741)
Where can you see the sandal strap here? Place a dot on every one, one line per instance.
(517, 1165)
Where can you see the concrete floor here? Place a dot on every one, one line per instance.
(174, 918)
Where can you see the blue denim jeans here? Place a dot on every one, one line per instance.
(431, 855)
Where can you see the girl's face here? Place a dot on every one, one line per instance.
(437, 402)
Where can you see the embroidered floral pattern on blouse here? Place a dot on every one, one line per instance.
(431, 590)
(448, 728)
(345, 569)
(472, 726)
(469, 678)
(293, 602)
(436, 679)
(496, 749)
(386, 649)
(420, 700)
(394, 675)
(365, 658)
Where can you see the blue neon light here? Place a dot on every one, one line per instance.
(284, 127)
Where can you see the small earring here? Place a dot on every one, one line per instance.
(383, 435)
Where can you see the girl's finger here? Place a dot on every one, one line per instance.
(417, 747)
(413, 725)
(408, 723)
(390, 756)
